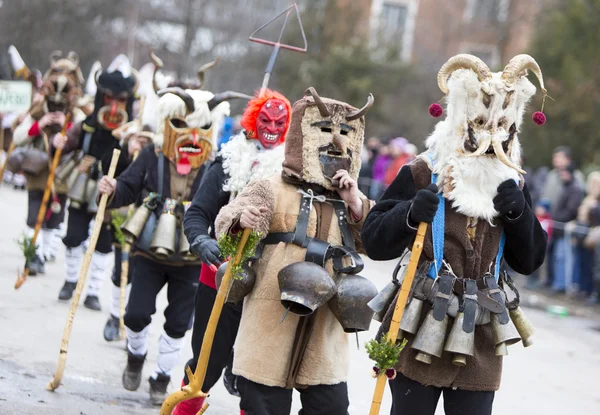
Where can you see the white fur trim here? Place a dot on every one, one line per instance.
(239, 157)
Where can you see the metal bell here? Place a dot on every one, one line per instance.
(78, 190)
(92, 196)
(240, 286)
(523, 325)
(349, 304)
(163, 240)
(411, 318)
(430, 338)
(64, 170)
(504, 335)
(184, 246)
(459, 342)
(304, 287)
(382, 301)
(134, 225)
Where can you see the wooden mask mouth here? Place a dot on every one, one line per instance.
(332, 160)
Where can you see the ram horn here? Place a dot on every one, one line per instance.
(516, 68)
(504, 158)
(180, 92)
(158, 64)
(318, 101)
(54, 56)
(73, 57)
(462, 61)
(226, 96)
(204, 68)
(354, 115)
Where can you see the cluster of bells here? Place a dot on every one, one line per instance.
(306, 286)
(430, 338)
(83, 189)
(162, 236)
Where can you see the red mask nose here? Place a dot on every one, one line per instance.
(194, 137)
(113, 109)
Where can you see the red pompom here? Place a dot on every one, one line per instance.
(435, 110)
(539, 118)
(391, 374)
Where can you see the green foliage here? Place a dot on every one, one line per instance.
(27, 248)
(118, 219)
(228, 246)
(384, 352)
(567, 49)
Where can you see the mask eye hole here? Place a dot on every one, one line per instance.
(502, 122)
(206, 126)
(177, 123)
(479, 121)
(343, 132)
(326, 129)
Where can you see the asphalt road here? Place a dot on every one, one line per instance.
(559, 375)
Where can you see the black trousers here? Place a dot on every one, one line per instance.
(78, 226)
(260, 399)
(116, 275)
(148, 278)
(227, 329)
(33, 207)
(411, 398)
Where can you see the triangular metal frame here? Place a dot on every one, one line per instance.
(294, 7)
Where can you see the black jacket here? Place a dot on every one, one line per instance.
(208, 201)
(386, 233)
(567, 206)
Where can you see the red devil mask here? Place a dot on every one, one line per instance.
(267, 119)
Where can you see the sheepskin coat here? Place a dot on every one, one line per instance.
(263, 347)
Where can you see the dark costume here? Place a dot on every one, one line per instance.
(91, 145)
(476, 223)
(244, 158)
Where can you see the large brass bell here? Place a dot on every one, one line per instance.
(459, 342)
(78, 191)
(504, 335)
(64, 170)
(184, 247)
(523, 325)
(163, 240)
(349, 304)
(429, 340)
(241, 285)
(411, 318)
(134, 225)
(304, 287)
(382, 301)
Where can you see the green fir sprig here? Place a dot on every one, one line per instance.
(384, 352)
(117, 220)
(228, 245)
(27, 247)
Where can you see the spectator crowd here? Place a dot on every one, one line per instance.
(565, 201)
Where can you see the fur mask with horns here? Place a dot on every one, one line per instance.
(325, 136)
(476, 147)
(61, 84)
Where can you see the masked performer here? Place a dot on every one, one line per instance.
(90, 145)
(481, 214)
(255, 153)
(310, 217)
(61, 88)
(166, 175)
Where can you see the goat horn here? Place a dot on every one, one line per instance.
(185, 97)
(462, 61)
(513, 71)
(204, 68)
(319, 102)
(226, 96)
(363, 111)
(74, 57)
(158, 63)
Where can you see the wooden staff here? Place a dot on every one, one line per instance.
(399, 311)
(44, 206)
(98, 221)
(125, 249)
(194, 388)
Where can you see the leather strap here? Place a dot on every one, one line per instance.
(470, 305)
(442, 297)
(300, 233)
(317, 251)
(87, 142)
(341, 212)
(495, 293)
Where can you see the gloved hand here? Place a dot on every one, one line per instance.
(424, 205)
(207, 249)
(510, 200)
